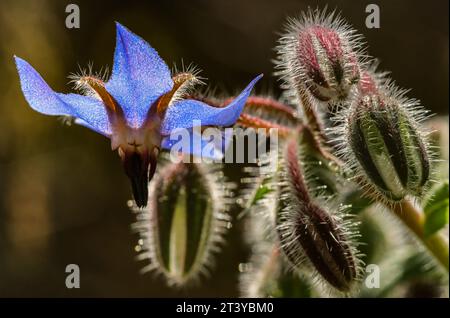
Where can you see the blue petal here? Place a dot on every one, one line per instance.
(44, 100)
(182, 114)
(198, 145)
(83, 123)
(139, 76)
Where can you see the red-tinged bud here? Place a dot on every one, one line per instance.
(310, 232)
(320, 54)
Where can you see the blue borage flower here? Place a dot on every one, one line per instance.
(137, 108)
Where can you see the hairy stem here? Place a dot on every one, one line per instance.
(247, 121)
(312, 117)
(414, 219)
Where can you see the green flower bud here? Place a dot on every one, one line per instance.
(391, 153)
(184, 221)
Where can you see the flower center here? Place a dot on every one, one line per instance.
(138, 148)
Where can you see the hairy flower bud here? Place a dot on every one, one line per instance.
(183, 222)
(309, 233)
(381, 131)
(320, 54)
(266, 274)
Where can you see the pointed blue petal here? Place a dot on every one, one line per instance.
(44, 100)
(182, 114)
(139, 76)
(197, 145)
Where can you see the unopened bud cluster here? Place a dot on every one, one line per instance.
(372, 136)
(322, 61)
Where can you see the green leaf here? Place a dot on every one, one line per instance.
(261, 193)
(436, 209)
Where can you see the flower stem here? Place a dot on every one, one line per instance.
(414, 219)
(247, 121)
(312, 117)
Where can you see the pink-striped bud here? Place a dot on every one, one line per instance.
(320, 54)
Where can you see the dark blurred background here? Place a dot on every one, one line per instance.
(63, 194)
